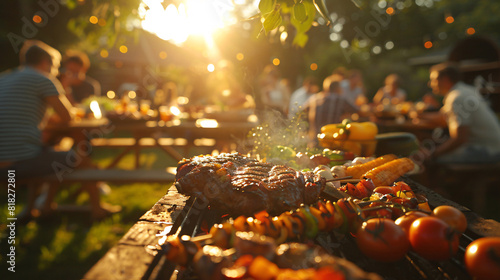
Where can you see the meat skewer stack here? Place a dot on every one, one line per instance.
(242, 185)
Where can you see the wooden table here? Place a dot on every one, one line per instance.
(148, 134)
(423, 130)
(130, 260)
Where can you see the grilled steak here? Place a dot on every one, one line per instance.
(241, 185)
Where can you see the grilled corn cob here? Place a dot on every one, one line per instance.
(357, 171)
(387, 173)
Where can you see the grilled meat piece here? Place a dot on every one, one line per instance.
(241, 185)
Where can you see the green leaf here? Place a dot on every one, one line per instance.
(299, 12)
(304, 26)
(272, 20)
(300, 39)
(266, 6)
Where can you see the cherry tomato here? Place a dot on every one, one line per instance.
(433, 239)
(452, 216)
(363, 191)
(384, 190)
(405, 221)
(368, 184)
(401, 186)
(381, 239)
(482, 258)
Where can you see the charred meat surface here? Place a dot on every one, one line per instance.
(241, 185)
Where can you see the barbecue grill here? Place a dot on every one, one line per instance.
(136, 255)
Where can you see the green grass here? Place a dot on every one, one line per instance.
(69, 245)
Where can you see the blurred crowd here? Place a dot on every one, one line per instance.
(40, 83)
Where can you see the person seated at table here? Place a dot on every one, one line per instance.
(327, 107)
(473, 127)
(355, 92)
(300, 95)
(25, 94)
(74, 77)
(390, 93)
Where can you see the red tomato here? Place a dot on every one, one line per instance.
(381, 213)
(407, 219)
(482, 258)
(328, 273)
(384, 190)
(383, 240)
(401, 186)
(363, 191)
(433, 239)
(368, 184)
(452, 216)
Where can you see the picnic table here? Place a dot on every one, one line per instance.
(136, 135)
(130, 259)
(422, 129)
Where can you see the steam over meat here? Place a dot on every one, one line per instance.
(242, 186)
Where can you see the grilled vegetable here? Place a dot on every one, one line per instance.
(387, 173)
(357, 171)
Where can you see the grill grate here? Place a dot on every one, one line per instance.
(197, 218)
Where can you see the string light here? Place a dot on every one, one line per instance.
(101, 22)
(37, 19)
(111, 94)
(104, 53)
(93, 20)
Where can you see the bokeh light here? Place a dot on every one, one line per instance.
(123, 49)
(111, 94)
(37, 19)
(104, 53)
(93, 20)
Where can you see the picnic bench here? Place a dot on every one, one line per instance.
(130, 260)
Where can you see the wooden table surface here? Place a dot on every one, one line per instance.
(91, 129)
(130, 260)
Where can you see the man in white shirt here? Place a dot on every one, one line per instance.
(473, 127)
